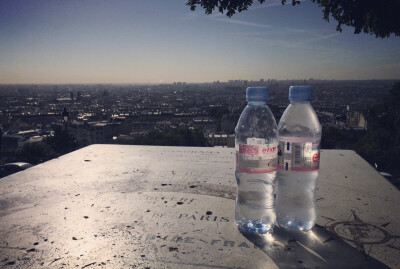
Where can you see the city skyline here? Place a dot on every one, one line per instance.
(57, 42)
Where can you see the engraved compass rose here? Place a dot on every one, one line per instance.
(360, 233)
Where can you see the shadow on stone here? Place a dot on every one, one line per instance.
(317, 248)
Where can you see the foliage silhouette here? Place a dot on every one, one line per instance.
(51, 147)
(381, 145)
(380, 18)
(1, 141)
(35, 153)
(217, 113)
(62, 142)
(334, 138)
(176, 137)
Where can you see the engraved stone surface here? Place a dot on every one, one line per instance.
(114, 206)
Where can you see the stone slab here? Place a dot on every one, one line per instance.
(117, 206)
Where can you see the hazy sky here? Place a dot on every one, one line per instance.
(128, 41)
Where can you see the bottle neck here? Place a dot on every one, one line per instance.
(257, 103)
(299, 101)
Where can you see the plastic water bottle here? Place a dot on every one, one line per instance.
(256, 163)
(299, 135)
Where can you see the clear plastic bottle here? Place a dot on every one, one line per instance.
(256, 163)
(299, 133)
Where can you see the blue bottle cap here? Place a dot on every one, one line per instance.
(300, 93)
(256, 94)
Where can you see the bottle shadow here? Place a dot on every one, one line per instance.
(317, 248)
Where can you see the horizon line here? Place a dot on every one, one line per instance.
(175, 82)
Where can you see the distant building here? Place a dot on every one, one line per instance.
(204, 123)
(221, 140)
(356, 119)
(14, 141)
(94, 132)
(43, 119)
(64, 100)
(326, 118)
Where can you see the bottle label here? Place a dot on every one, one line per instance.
(257, 156)
(297, 154)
